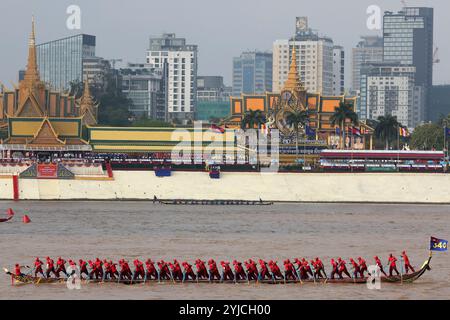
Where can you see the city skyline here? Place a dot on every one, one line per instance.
(222, 39)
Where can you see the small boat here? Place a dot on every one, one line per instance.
(403, 278)
(9, 214)
(212, 202)
(6, 219)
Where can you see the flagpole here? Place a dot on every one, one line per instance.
(398, 148)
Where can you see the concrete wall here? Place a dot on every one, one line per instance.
(343, 187)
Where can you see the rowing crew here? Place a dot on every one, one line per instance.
(299, 269)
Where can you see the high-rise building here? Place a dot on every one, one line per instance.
(178, 61)
(369, 49)
(213, 98)
(389, 89)
(142, 84)
(252, 73)
(95, 70)
(338, 70)
(314, 56)
(408, 38)
(61, 61)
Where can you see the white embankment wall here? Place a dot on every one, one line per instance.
(308, 187)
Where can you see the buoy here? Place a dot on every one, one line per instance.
(26, 219)
(10, 212)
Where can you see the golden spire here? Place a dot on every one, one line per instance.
(31, 73)
(88, 107)
(86, 99)
(293, 82)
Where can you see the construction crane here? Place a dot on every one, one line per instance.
(435, 56)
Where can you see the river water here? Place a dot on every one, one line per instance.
(128, 230)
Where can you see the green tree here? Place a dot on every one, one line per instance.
(253, 118)
(387, 129)
(297, 119)
(114, 105)
(340, 116)
(427, 137)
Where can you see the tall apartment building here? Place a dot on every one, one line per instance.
(62, 61)
(213, 98)
(314, 57)
(252, 73)
(142, 84)
(390, 89)
(408, 38)
(178, 61)
(369, 49)
(338, 70)
(95, 70)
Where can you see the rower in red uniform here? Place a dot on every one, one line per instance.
(188, 272)
(164, 272)
(252, 270)
(307, 267)
(50, 268)
(343, 268)
(276, 272)
(61, 267)
(139, 271)
(18, 271)
(202, 273)
(301, 269)
(93, 272)
(227, 272)
(150, 270)
(177, 274)
(114, 271)
(98, 265)
(320, 269)
(407, 264)
(380, 265)
(263, 270)
(362, 266)
(213, 271)
(38, 267)
(356, 270)
(73, 267)
(83, 268)
(125, 270)
(289, 270)
(239, 271)
(334, 269)
(392, 264)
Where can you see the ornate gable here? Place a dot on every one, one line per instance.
(46, 135)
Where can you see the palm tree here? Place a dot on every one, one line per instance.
(295, 119)
(340, 116)
(252, 118)
(387, 129)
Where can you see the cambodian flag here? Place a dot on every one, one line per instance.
(217, 129)
(438, 244)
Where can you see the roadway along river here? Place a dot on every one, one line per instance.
(138, 229)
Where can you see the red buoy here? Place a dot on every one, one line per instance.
(10, 212)
(26, 219)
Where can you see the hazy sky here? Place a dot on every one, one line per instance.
(221, 29)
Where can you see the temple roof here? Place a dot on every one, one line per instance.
(293, 82)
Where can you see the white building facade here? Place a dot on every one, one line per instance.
(338, 71)
(179, 64)
(315, 61)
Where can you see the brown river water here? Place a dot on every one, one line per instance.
(139, 229)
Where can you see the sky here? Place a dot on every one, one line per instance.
(221, 29)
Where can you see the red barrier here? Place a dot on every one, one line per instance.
(16, 187)
(109, 170)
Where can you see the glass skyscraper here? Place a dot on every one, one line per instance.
(408, 39)
(252, 73)
(61, 61)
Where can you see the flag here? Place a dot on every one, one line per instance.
(217, 129)
(447, 131)
(338, 130)
(438, 244)
(309, 131)
(356, 131)
(403, 132)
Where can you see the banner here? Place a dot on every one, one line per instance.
(438, 244)
(47, 171)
